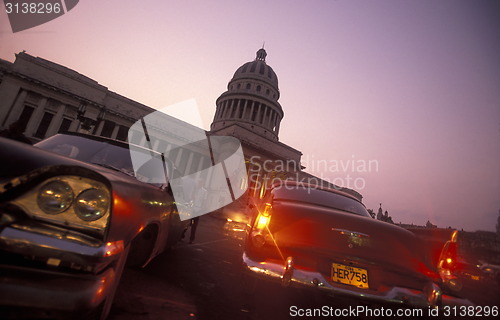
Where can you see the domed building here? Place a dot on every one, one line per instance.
(251, 100)
(249, 110)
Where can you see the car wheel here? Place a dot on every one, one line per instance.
(141, 247)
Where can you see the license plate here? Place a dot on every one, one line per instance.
(357, 277)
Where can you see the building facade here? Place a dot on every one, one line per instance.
(47, 98)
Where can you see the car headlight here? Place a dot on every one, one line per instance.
(91, 204)
(69, 200)
(55, 197)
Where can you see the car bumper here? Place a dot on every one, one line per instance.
(49, 268)
(288, 274)
(54, 292)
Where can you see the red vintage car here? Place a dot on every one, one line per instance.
(307, 235)
(73, 214)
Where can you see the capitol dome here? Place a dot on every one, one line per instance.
(257, 69)
(251, 100)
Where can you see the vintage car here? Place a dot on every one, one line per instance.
(307, 235)
(73, 213)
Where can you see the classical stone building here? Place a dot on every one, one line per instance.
(249, 110)
(47, 98)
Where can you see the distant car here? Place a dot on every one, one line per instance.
(72, 212)
(460, 271)
(491, 270)
(307, 235)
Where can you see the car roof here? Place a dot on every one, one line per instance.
(314, 186)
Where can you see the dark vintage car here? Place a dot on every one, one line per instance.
(72, 212)
(307, 235)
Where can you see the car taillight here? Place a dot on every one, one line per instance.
(261, 225)
(262, 222)
(448, 256)
(263, 218)
(448, 264)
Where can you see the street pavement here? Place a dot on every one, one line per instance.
(205, 280)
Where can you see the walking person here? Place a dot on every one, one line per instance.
(199, 198)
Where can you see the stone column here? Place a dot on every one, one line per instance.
(219, 111)
(56, 121)
(237, 108)
(36, 117)
(98, 130)
(115, 131)
(13, 113)
(251, 113)
(189, 163)
(226, 109)
(178, 158)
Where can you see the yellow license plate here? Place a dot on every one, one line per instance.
(357, 277)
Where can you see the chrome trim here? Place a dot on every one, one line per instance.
(397, 295)
(434, 294)
(287, 276)
(351, 233)
(69, 246)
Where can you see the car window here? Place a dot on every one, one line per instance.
(320, 197)
(90, 151)
(151, 165)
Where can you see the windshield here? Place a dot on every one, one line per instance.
(92, 151)
(89, 150)
(320, 197)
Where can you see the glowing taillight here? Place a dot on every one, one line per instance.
(263, 218)
(262, 222)
(261, 225)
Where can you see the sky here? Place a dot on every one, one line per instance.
(399, 100)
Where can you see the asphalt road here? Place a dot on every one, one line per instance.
(205, 280)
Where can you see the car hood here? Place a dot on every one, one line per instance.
(22, 166)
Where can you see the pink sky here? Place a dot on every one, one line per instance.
(413, 85)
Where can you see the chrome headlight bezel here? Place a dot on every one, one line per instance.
(91, 204)
(70, 216)
(55, 197)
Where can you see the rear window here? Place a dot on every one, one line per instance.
(319, 197)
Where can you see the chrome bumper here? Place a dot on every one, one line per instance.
(288, 274)
(46, 267)
(48, 290)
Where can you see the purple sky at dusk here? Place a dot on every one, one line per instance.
(412, 85)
